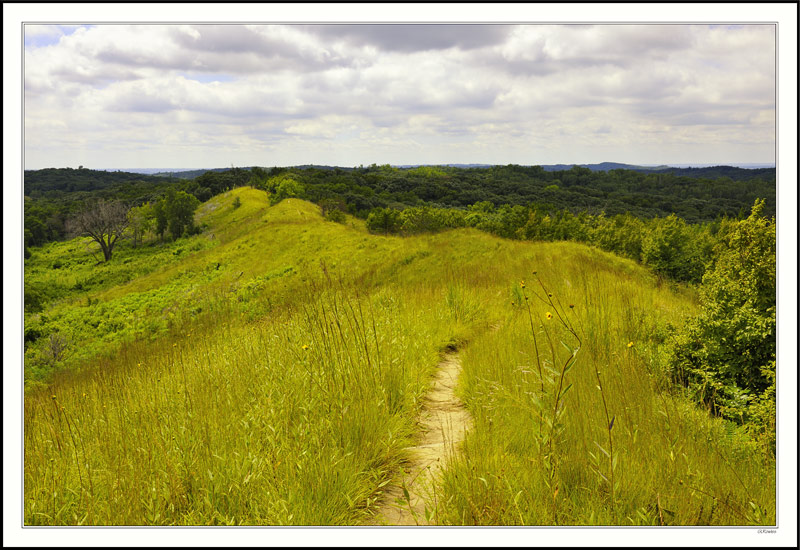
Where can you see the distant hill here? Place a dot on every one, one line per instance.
(601, 167)
(188, 174)
(742, 172)
(712, 172)
(82, 179)
(715, 172)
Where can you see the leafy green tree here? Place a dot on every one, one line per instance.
(180, 207)
(727, 354)
(160, 217)
(140, 220)
(670, 250)
(258, 177)
(287, 187)
(384, 220)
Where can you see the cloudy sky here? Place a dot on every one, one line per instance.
(202, 96)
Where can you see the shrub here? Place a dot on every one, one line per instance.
(384, 220)
(669, 249)
(336, 216)
(726, 355)
(284, 186)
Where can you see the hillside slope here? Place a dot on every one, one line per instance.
(271, 371)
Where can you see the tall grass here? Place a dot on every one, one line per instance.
(298, 419)
(283, 386)
(629, 452)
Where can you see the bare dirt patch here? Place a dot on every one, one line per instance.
(444, 421)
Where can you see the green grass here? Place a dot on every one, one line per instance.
(668, 462)
(271, 372)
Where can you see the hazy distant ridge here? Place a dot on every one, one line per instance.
(739, 171)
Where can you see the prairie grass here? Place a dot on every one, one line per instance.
(273, 378)
(629, 452)
(297, 419)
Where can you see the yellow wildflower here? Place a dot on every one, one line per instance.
(548, 315)
(630, 344)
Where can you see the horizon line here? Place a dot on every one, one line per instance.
(404, 165)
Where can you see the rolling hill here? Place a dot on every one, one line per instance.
(272, 370)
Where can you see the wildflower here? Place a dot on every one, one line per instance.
(305, 346)
(522, 284)
(630, 344)
(52, 396)
(548, 315)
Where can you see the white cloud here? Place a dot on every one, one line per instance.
(195, 95)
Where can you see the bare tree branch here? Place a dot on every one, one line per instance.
(103, 221)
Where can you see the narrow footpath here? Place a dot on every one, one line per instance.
(444, 421)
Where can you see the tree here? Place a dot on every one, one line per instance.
(727, 354)
(179, 208)
(384, 220)
(160, 216)
(284, 186)
(140, 222)
(673, 249)
(103, 221)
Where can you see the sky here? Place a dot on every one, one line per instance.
(216, 95)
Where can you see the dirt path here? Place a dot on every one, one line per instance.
(444, 421)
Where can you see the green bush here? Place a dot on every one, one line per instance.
(336, 216)
(726, 355)
(384, 220)
(670, 248)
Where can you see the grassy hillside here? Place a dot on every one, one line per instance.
(269, 371)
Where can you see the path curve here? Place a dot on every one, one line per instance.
(444, 422)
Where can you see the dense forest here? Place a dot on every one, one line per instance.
(696, 195)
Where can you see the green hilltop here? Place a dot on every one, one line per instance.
(270, 370)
